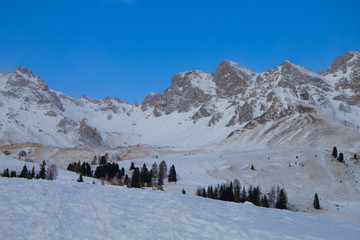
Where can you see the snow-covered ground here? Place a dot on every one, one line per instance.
(40, 209)
(66, 209)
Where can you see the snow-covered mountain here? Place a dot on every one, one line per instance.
(197, 109)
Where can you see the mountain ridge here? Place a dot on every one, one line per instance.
(196, 103)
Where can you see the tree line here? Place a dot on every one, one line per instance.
(234, 192)
(49, 173)
(140, 177)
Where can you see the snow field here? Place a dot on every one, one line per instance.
(40, 209)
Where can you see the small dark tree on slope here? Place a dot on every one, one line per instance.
(6, 173)
(264, 202)
(341, 157)
(132, 166)
(24, 172)
(80, 178)
(172, 174)
(42, 173)
(334, 153)
(135, 179)
(281, 200)
(316, 202)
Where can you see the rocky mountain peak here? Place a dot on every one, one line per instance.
(22, 77)
(351, 58)
(232, 78)
(24, 71)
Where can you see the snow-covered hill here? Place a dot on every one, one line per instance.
(66, 209)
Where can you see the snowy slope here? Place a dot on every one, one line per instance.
(39, 209)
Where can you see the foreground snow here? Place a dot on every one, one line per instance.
(39, 209)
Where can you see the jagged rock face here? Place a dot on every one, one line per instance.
(182, 96)
(67, 125)
(89, 135)
(345, 74)
(23, 84)
(231, 79)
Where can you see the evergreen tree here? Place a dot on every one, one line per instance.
(252, 167)
(230, 192)
(33, 172)
(24, 172)
(80, 178)
(135, 179)
(132, 166)
(103, 160)
(144, 174)
(281, 200)
(126, 180)
(172, 174)
(6, 173)
(341, 157)
(204, 193)
(210, 192)
(334, 153)
(264, 202)
(13, 174)
(183, 191)
(316, 202)
(42, 173)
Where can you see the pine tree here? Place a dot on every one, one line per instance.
(264, 202)
(316, 202)
(24, 172)
(341, 157)
(183, 191)
(172, 174)
(281, 200)
(42, 173)
(103, 160)
(33, 172)
(6, 173)
(334, 153)
(13, 174)
(135, 179)
(132, 166)
(80, 178)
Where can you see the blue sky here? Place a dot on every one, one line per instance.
(129, 48)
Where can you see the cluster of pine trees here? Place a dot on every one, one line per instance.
(50, 173)
(139, 177)
(84, 168)
(233, 192)
(109, 171)
(340, 156)
(154, 176)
